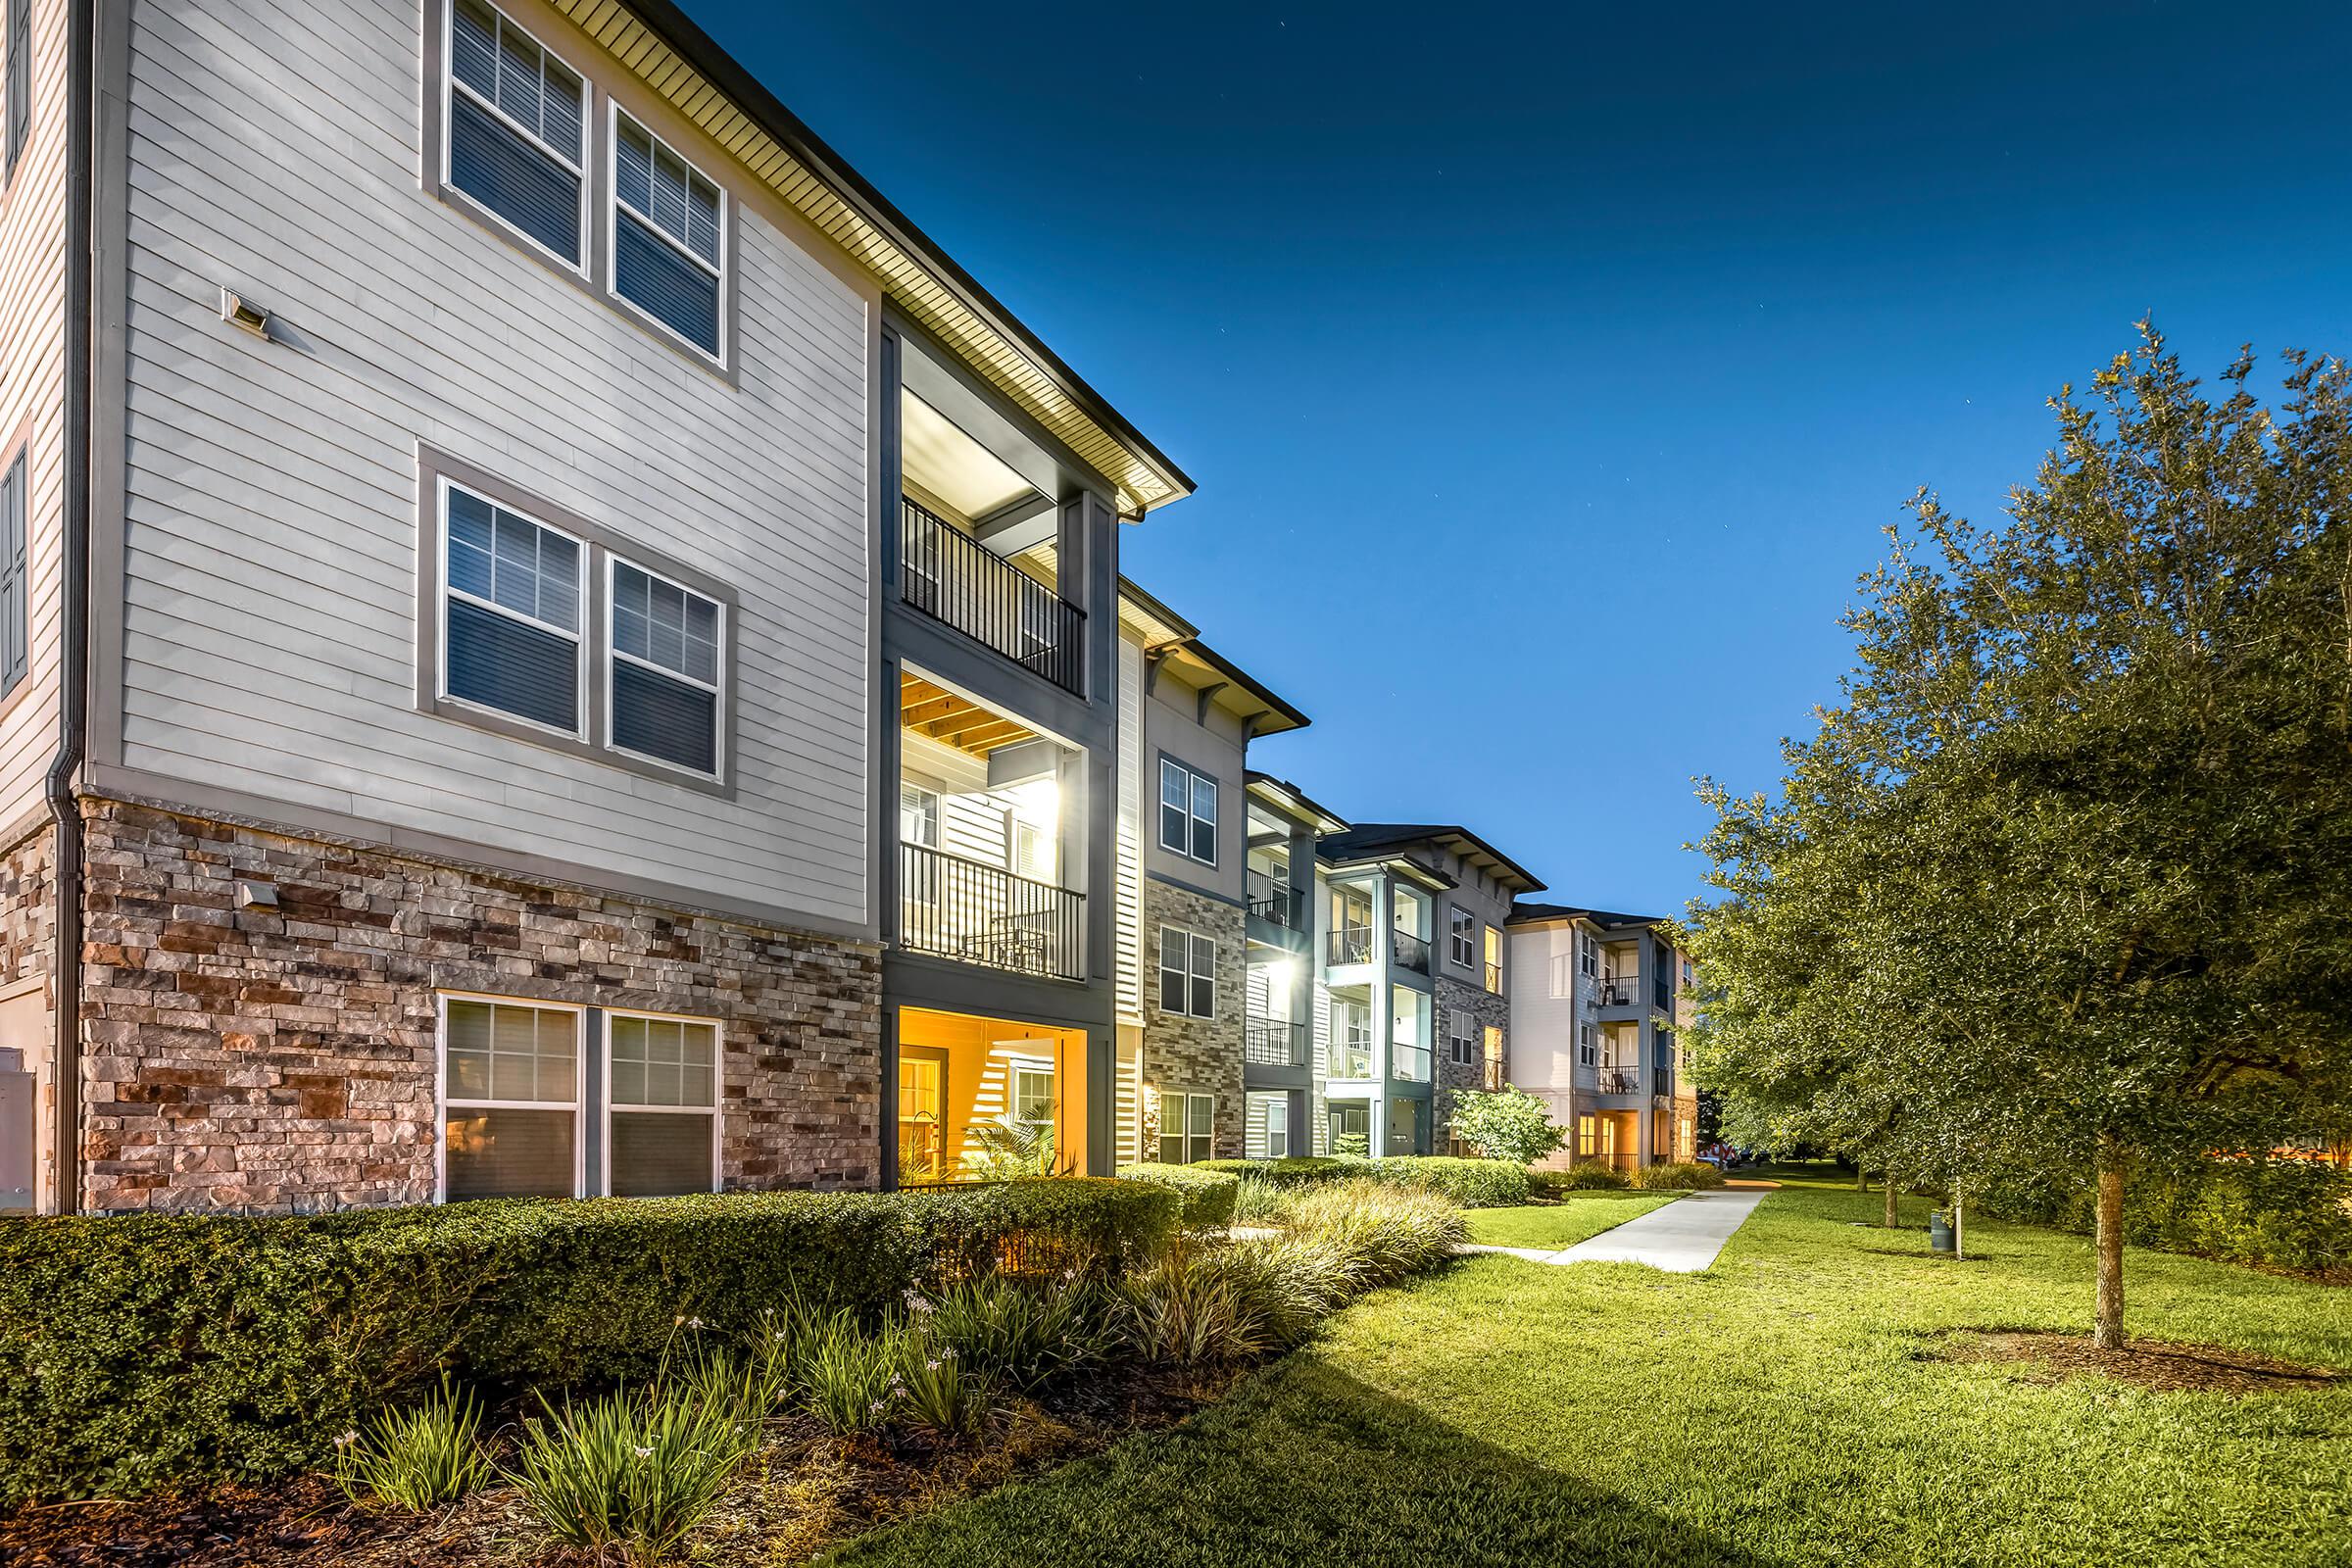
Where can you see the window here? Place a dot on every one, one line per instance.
(1495, 959)
(14, 579)
(1188, 812)
(1187, 973)
(662, 1078)
(665, 669)
(1462, 936)
(1587, 953)
(1494, 1056)
(1587, 1138)
(1587, 1054)
(511, 619)
(918, 815)
(666, 225)
(19, 84)
(510, 1075)
(1033, 1096)
(1458, 1049)
(1278, 1127)
(515, 130)
(1186, 1128)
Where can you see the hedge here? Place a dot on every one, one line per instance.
(1471, 1183)
(1289, 1171)
(1688, 1176)
(2274, 1213)
(153, 1350)
(1208, 1195)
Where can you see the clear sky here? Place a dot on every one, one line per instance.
(1549, 373)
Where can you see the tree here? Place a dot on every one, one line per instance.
(1508, 1124)
(2061, 892)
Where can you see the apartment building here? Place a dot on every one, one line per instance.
(500, 520)
(1279, 1069)
(1601, 1002)
(1388, 993)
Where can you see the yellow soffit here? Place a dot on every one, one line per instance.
(904, 279)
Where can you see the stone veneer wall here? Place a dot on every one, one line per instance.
(1488, 1008)
(28, 905)
(1200, 1055)
(283, 1059)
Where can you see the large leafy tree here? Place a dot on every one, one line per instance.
(2061, 892)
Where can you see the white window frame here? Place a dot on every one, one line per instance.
(1194, 943)
(930, 812)
(614, 559)
(1015, 1069)
(1278, 1109)
(1588, 1046)
(613, 116)
(1183, 1100)
(1461, 936)
(442, 1101)
(1194, 780)
(579, 639)
(1461, 1039)
(577, 162)
(719, 1089)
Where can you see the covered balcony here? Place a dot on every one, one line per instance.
(981, 866)
(1409, 1035)
(988, 1098)
(1620, 1070)
(1268, 888)
(1411, 933)
(1348, 1052)
(977, 548)
(1350, 940)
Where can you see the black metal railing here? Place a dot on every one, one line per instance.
(1275, 1044)
(1616, 1080)
(1662, 993)
(1412, 951)
(952, 577)
(1275, 901)
(1352, 943)
(980, 913)
(1617, 992)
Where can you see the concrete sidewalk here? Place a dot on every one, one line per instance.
(1682, 1238)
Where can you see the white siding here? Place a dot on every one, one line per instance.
(270, 625)
(32, 347)
(1128, 921)
(1544, 1012)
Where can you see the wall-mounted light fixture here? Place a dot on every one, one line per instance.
(238, 311)
(252, 895)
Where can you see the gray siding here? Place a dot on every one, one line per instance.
(269, 566)
(1171, 727)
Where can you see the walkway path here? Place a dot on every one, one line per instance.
(1682, 1238)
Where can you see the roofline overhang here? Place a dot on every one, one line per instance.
(1286, 796)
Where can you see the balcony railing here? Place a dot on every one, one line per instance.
(1618, 991)
(1408, 1063)
(1493, 1077)
(1349, 1059)
(1413, 952)
(1615, 1080)
(1275, 1045)
(952, 577)
(1350, 944)
(981, 913)
(1662, 993)
(1494, 978)
(1277, 901)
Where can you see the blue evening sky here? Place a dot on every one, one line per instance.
(1549, 373)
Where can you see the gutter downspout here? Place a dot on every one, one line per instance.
(74, 596)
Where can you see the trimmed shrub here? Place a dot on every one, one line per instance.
(153, 1348)
(1471, 1183)
(1208, 1195)
(1593, 1175)
(1696, 1176)
(2272, 1213)
(1291, 1171)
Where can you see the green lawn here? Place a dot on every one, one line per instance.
(1555, 1226)
(1781, 1409)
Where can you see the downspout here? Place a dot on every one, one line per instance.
(74, 596)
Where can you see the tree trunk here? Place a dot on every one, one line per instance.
(1861, 1178)
(1959, 1225)
(1893, 1215)
(2108, 1334)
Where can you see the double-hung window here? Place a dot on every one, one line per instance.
(1187, 973)
(19, 84)
(1033, 1096)
(14, 581)
(510, 614)
(665, 669)
(1278, 1128)
(668, 222)
(1458, 1039)
(1495, 959)
(1188, 812)
(1461, 936)
(510, 1100)
(1588, 1052)
(661, 1083)
(516, 136)
(1186, 1128)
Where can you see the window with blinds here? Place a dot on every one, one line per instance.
(510, 616)
(1187, 973)
(516, 128)
(665, 669)
(511, 1098)
(1187, 1124)
(663, 1082)
(666, 225)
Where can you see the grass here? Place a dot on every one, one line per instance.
(1785, 1409)
(1552, 1226)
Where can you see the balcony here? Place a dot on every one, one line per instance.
(1273, 901)
(954, 579)
(956, 908)
(1349, 1057)
(1662, 993)
(1619, 1080)
(1275, 1045)
(1350, 944)
(1615, 991)
(1408, 1063)
(1413, 952)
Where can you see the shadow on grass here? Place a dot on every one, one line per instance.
(1302, 1464)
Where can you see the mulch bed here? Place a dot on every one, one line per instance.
(2158, 1364)
(803, 1490)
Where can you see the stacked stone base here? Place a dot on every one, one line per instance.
(275, 1058)
(1182, 1053)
